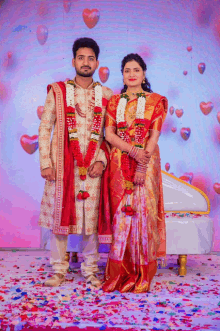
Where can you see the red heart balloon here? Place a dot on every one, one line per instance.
(171, 110)
(189, 48)
(167, 166)
(185, 72)
(29, 144)
(67, 5)
(185, 133)
(179, 112)
(104, 74)
(40, 110)
(42, 34)
(187, 177)
(216, 187)
(206, 108)
(218, 117)
(91, 17)
(201, 67)
(173, 130)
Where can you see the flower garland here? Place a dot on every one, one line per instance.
(129, 164)
(83, 163)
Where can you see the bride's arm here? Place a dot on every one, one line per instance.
(115, 140)
(152, 141)
(141, 155)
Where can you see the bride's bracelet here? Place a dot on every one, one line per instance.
(141, 168)
(133, 152)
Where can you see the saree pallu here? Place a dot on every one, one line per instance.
(138, 240)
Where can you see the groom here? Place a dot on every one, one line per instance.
(73, 162)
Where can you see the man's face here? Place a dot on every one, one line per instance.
(85, 62)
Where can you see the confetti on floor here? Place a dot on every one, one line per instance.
(174, 303)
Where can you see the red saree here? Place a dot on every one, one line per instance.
(138, 241)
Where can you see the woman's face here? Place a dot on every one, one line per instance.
(133, 74)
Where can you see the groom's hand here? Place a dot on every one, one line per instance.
(96, 169)
(48, 174)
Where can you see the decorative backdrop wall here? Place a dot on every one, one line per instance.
(179, 40)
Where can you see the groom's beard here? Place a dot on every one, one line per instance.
(85, 72)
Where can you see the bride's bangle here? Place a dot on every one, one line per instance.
(141, 168)
(133, 152)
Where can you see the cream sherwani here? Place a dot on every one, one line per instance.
(86, 210)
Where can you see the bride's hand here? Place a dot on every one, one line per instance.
(139, 178)
(142, 156)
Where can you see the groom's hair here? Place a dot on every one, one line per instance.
(88, 43)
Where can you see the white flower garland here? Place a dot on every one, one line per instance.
(120, 116)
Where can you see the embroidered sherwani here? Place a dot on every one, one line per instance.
(85, 210)
(52, 155)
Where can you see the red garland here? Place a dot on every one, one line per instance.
(129, 164)
(83, 164)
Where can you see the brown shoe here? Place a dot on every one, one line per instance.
(93, 280)
(55, 280)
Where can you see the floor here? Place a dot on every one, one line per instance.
(174, 303)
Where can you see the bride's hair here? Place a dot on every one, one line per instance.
(135, 57)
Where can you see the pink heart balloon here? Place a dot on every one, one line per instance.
(29, 144)
(91, 17)
(167, 166)
(173, 130)
(216, 187)
(67, 5)
(218, 117)
(171, 110)
(9, 54)
(40, 110)
(42, 34)
(185, 72)
(201, 67)
(189, 48)
(185, 133)
(179, 112)
(187, 177)
(104, 74)
(206, 108)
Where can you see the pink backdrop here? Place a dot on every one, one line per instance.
(179, 39)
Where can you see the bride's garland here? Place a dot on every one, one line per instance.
(128, 163)
(83, 163)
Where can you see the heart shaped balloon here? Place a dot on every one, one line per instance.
(201, 67)
(185, 72)
(167, 166)
(42, 34)
(29, 144)
(9, 54)
(189, 48)
(173, 129)
(187, 177)
(179, 112)
(185, 133)
(40, 110)
(67, 5)
(104, 74)
(91, 17)
(171, 110)
(218, 117)
(216, 187)
(206, 108)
